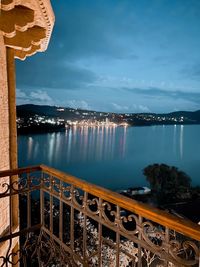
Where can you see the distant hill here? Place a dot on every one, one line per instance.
(193, 115)
(137, 119)
(28, 110)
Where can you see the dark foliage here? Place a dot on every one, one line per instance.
(168, 184)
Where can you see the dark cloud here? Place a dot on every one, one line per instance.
(156, 93)
(139, 43)
(49, 73)
(92, 28)
(82, 30)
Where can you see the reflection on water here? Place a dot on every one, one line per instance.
(30, 147)
(181, 141)
(81, 144)
(114, 157)
(97, 143)
(174, 139)
(51, 147)
(123, 143)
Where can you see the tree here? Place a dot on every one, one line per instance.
(167, 182)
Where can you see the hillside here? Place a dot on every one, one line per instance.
(138, 119)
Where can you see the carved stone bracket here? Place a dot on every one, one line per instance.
(26, 25)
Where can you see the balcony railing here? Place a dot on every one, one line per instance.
(64, 221)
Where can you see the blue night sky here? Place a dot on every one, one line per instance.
(119, 56)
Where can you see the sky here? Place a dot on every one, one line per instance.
(117, 56)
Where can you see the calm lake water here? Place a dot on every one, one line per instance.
(114, 157)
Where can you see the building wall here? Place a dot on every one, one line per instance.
(4, 135)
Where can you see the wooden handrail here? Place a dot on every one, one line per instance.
(183, 226)
(20, 171)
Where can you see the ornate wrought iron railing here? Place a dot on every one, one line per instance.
(64, 221)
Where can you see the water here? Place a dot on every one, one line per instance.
(114, 157)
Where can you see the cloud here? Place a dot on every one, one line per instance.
(158, 93)
(130, 108)
(111, 54)
(192, 71)
(119, 108)
(39, 97)
(82, 31)
(21, 94)
(88, 29)
(50, 74)
(143, 108)
(82, 104)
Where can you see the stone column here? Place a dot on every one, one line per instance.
(4, 144)
(12, 128)
(4, 134)
(8, 143)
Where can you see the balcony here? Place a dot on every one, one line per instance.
(64, 221)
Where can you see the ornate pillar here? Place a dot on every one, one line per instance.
(25, 28)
